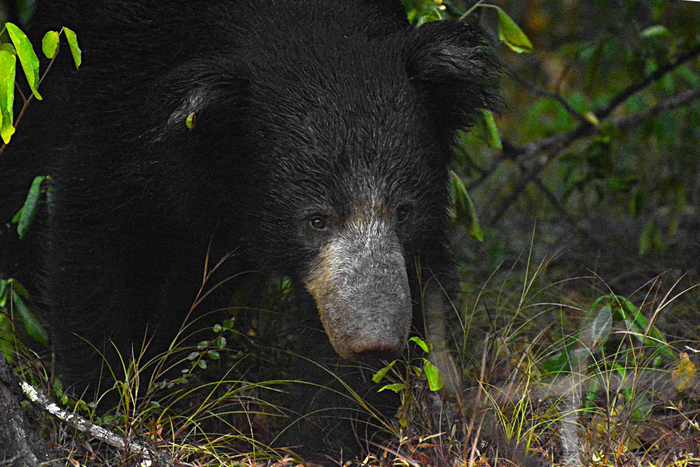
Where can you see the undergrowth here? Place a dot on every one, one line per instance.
(555, 372)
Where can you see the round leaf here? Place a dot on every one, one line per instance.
(49, 44)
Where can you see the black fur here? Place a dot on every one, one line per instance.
(331, 109)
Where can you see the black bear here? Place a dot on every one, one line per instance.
(310, 138)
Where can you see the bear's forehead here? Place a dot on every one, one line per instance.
(344, 123)
(351, 71)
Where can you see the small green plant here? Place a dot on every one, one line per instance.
(424, 366)
(404, 373)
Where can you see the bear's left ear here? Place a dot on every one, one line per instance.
(453, 70)
(192, 90)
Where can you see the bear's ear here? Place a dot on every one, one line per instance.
(453, 70)
(196, 90)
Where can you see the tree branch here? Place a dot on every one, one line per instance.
(681, 100)
(149, 455)
(646, 81)
(550, 148)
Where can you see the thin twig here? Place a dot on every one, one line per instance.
(681, 100)
(539, 91)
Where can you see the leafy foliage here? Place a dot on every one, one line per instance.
(604, 126)
(21, 48)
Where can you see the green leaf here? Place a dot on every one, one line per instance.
(421, 343)
(650, 239)
(594, 390)
(17, 287)
(396, 387)
(8, 64)
(27, 57)
(73, 44)
(3, 293)
(624, 310)
(7, 339)
(416, 370)
(49, 44)
(638, 323)
(34, 329)
(493, 138)
(26, 216)
(511, 34)
(17, 217)
(464, 211)
(213, 354)
(433, 375)
(378, 376)
(637, 203)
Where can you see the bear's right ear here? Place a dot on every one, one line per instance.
(453, 70)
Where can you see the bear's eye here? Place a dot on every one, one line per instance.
(318, 223)
(402, 214)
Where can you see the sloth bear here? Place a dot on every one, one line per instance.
(311, 139)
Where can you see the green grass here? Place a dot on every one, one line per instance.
(554, 368)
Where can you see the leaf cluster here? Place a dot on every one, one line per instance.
(21, 48)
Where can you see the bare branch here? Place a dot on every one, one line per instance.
(149, 455)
